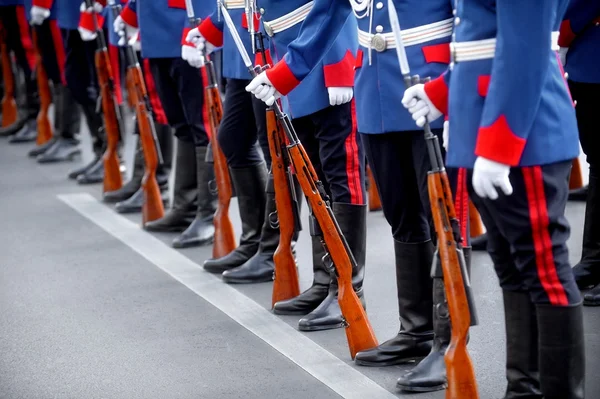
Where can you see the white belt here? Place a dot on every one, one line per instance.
(233, 4)
(410, 37)
(483, 49)
(288, 20)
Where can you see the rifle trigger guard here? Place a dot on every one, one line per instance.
(212, 187)
(274, 220)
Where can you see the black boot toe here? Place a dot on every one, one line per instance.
(132, 204)
(403, 348)
(258, 269)
(199, 232)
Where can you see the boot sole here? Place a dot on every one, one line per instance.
(70, 157)
(590, 303)
(124, 211)
(321, 328)
(166, 229)
(234, 280)
(404, 360)
(217, 271)
(192, 244)
(293, 312)
(88, 182)
(421, 389)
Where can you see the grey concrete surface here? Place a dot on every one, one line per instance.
(83, 316)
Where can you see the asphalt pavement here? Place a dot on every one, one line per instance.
(92, 306)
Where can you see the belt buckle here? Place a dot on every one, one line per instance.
(268, 29)
(452, 52)
(378, 42)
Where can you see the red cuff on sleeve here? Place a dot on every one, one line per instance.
(184, 35)
(176, 4)
(437, 91)
(497, 142)
(129, 17)
(340, 74)
(282, 78)
(259, 59)
(102, 2)
(439, 53)
(86, 21)
(211, 33)
(566, 36)
(43, 3)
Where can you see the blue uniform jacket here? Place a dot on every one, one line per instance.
(334, 68)
(580, 32)
(67, 13)
(161, 24)
(4, 3)
(515, 108)
(217, 34)
(379, 86)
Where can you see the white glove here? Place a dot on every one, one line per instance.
(446, 135)
(419, 105)
(562, 53)
(121, 28)
(86, 35)
(263, 89)
(340, 95)
(97, 8)
(199, 41)
(39, 15)
(192, 55)
(487, 175)
(135, 42)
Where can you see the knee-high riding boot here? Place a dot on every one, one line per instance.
(587, 271)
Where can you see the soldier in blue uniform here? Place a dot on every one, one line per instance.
(322, 112)
(181, 91)
(397, 155)
(63, 145)
(512, 122)
(18, 41)
(580, 49)
(129, 198)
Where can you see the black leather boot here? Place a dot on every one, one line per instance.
(202, 230)
(133, 204)
(414, 287)
(40, 149)
(95, 172)
(26, 134)
(561, 351)
(13, 128)
(250, 185)
(430, 374)
(479, 243)
(587, 271)
(522, 369)
(66, 147)
(183, 212)
(260, 267)
(352, 220)
(310, 299)
(133, 185)
(592, 297)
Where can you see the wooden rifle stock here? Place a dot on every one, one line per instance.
(44, 127)
(224, 241)
(576, 177)
(359, 332)
(152, 207)
(374, 199)
(112, 124)
(286, 284)
(9, 105)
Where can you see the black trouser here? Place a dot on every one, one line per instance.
(244, 122)
(528, 233)
(587, 96)
(52, 49)
(330, 139)
(400, 163)
(180, 88)
(17, 36)
(80, 70)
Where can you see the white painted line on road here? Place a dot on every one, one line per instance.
(314, 359)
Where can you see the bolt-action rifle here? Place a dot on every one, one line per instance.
(152, 206)
(44, 128)
(9, 105)
(112, 116)
(338, 259)
(459, 367)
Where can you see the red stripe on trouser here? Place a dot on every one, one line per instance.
(205, 120)
(59, 48)
(538, 216)
(113, 55)
(26, 41)
(353, 164)
(462, 202)
(157, 109)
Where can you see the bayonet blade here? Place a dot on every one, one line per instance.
(400, 50)
(236, 38)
